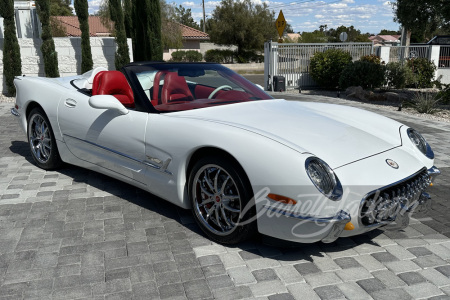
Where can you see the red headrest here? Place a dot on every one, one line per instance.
(175, 89)
(113, 83)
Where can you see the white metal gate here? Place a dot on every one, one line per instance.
(292, 61)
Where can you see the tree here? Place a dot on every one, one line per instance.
(81, 7)
(243, 24)
(48, 45)
(147, 30)
(316, 36)
(57, 28)
(60, 8)
(127, 19)
(418, 16)
(105, 16)
(171, 36)
(122, 54)
(389, 32)
(353, 34)
(288, 28)
(184, 16)
(208, 25)
(12, 64)
(332, 35)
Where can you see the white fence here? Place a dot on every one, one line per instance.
(292, 60)
(69, 55)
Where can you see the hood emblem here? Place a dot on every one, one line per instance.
(392, 163)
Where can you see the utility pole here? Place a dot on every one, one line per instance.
(204, 24)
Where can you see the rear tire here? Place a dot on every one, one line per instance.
(42, 141)
(222, 200)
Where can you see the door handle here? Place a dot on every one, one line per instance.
(71, 103)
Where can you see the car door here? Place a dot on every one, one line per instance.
(104, 137)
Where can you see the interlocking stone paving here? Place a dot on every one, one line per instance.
(76, 234)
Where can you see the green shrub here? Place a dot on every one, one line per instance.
(362, 73)
(425, 103)
(178, 55)
(371, 58)
(444, 94)
(326, 67)
(193, 56)
(423, 72)
(219, 56)
(248, 56)
(229, 56)
(397, 75)
(12, 63)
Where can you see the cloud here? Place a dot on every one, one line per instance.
(212, 4)
(188, 4)
(338, 5)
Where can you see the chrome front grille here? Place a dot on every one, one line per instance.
(383, 205)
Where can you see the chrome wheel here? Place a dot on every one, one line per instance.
(39, 135)
(217, 203)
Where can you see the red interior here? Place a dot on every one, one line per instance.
(202, 92)
(115, 84)
(175, 89)
(156, 81)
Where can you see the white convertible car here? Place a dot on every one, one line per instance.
(206, 139)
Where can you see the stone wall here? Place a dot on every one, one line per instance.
(69, 55)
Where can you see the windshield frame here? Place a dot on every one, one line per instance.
(131, 70)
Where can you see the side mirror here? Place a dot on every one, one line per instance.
(107, 102)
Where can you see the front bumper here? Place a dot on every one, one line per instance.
(393, 212)
(395, 202)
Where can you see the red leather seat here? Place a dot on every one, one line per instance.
(156, 81)
(175, 89)
(115, 84)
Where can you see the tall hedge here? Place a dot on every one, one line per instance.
(12, 64)
(147, 30)
(81, 8)
(127, 16)
(122, 54)
(48, 45)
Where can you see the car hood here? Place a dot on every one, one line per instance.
(335, 133)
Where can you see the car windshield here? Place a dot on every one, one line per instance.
(184, 86)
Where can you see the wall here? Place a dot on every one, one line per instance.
(196, 45)
(251, 67)
(208, 46)
(69, 55)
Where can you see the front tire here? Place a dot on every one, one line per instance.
(42, 141)
(222, 200)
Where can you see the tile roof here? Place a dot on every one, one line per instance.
(72, 26)
(192, 34)
(385, 38)
(96, 28)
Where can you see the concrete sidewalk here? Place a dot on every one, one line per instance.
(76, 234)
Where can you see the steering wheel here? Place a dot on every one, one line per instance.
(218, 89)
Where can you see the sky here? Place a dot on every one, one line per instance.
(307, 15)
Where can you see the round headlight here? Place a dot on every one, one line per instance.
(323, 178)
(419, 141)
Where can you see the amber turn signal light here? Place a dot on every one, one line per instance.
(282, 199)
(349, 226)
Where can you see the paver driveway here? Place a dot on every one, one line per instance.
(77, 234)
